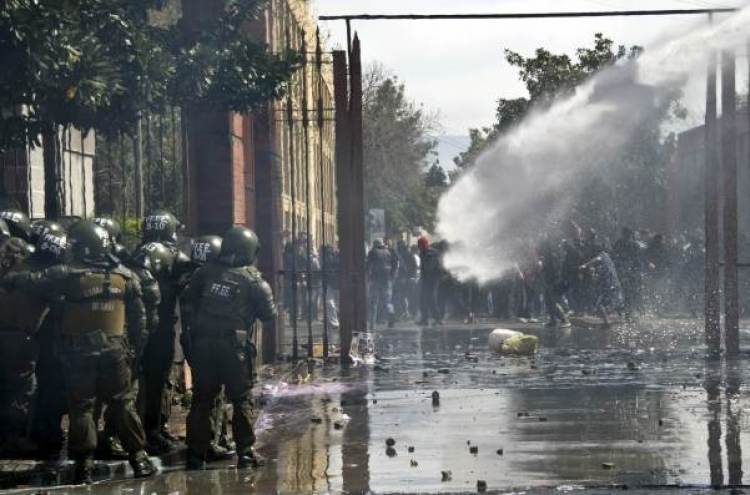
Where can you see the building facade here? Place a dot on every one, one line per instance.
(272, 170)
(22, 175)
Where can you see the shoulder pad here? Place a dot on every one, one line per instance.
(124, 272)
(252, 271)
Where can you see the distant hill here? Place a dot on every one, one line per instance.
(449, 146)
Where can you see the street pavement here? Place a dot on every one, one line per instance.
(636, 406)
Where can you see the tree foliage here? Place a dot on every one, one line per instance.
(398, 149)
(100, 63)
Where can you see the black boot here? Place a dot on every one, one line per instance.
(109, 448)
(218, 453)
(195, 462)
(142, 465)
(84, 470)
(250, 459)
(156, 444)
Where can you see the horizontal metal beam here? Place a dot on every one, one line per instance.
(531, 15)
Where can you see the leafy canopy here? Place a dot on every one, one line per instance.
(398, 149)
(100, 63)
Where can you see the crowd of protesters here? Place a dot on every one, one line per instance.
(577, 271)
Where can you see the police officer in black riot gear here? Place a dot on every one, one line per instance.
(100, 299)
(147, 262)
(41, 227)
(227, 297)
(50, 403)
(20, 317)
(206, 249)
(18, 223)
(114, 230)
(161, 227)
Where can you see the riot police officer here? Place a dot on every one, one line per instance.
(227, 298)
(100, 298)
(41, 227)
(206, 249)
(51, 245)
(114, 230)
(18, 223)
(161, 227)
(20, 317)
(147, 262)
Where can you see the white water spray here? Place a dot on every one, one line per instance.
(526, 181)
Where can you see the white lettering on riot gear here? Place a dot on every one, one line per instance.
(102, 306)
(221, 290)
(156, 222)
(13, 216)
(53, 244)
(200, 251)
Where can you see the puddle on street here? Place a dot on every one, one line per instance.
(631, 406)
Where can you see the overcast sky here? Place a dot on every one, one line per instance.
(457, 67)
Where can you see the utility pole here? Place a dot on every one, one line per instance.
(357, 205)
(343, 192)
(729, 170)
(711, 217)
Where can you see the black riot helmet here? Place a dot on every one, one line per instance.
(111, 225)
(205, 249)
(18, 223)
(51, 247)
(154, 257)
(160, 226)
(240, 247)
(41, 227)
(67, 221)
(88, 242)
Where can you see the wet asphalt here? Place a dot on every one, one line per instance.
(634, 407)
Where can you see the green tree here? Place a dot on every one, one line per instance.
(398, 148)
(436, 177)
(99, 64)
